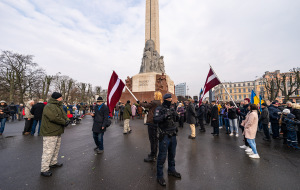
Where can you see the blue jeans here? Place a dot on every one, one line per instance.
(116, 114)
(227, 126)
(252, 145)
(166, 146)
(35, 122)
(233, 125)
(292, 138)
(220, 120)
(3, 120)
(98, 138)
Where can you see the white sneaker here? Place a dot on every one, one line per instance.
(254, 156)
(231, 134)
(248, 150)
(244, 146)
(220, 127)
(250, 153)
(237, 135)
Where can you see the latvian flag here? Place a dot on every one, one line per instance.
(114, 92)
(211, 81)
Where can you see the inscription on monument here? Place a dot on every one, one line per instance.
(143, 82)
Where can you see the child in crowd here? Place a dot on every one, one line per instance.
(292, 131)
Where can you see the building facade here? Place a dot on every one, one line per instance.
(180, 89)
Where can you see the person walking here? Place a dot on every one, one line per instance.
(126, 115)
(250, 125)
(54, 119)
(264, 120)
(28, 117)
(165, 117)
(152, 127)
(4, 114)
(244, 109)
(37, 112)
(100, 123)
(191, 118)
(215, 119)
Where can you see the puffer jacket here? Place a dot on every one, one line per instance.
(5, 111)
(127, 111)
(53, 119)
(273, 113)
(152, 106)
(27, 111)
(251, 124)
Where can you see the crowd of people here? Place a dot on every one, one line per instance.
(163, 118)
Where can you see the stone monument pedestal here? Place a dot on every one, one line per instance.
(144, 85)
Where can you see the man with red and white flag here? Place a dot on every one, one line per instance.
(114, 92)
(211, 81)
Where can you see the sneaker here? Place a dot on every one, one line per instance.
(161, 181)
(254, 156)
(99, 151)
(190, 137)
(231, 134)
(237, 135)
(250, 153)
(248, 150)
(244, 146)
(57, 165)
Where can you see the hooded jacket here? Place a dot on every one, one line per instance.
(5, 111)
(53, 119)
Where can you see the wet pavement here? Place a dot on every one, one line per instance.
(205, 163)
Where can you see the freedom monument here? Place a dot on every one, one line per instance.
(152, 75)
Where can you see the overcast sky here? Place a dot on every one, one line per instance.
(86, 40)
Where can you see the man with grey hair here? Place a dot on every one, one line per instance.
(289, 105)
(28, 117)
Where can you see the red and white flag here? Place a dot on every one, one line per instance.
(114, 92)
(211, 81)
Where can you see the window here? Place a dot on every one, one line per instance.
(240, 90)
(249, 90)
(244, 96)
(239, 84)
(244, 84)
(234, 85)
(234, 90)
(244, 90)
(235, 97)
(249, 84)
(226, 97)
(240, 97)
(229, 85)
(297, 92)
(230, 90)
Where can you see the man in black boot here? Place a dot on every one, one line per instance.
(201, 112)
(165, 117)
(152, 127)
(215, 118)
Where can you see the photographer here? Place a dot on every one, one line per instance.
(54, 120)
(165, 117)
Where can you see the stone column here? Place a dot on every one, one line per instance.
(152, 23)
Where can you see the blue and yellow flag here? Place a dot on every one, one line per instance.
(254, 98)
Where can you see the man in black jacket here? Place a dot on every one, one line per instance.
(215, 118)
(37, 111)
(13, 110)
(274, 119)
(165, 117)
(191, 118)
(264, 120)
(201, 112)
(100, 123)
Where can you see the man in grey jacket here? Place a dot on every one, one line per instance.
(264, 120)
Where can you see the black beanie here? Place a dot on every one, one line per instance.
(99, 99)
(128, 101)
(56, 95)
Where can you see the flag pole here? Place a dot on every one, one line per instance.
(131, 93)
(223, 86)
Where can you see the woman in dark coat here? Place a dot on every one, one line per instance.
(191, 119)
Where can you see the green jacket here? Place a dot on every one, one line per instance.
(54, 118)
(127, 111)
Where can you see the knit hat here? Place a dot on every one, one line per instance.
(100, 99)
(286, 111)
(264, 104)
(166, 96)
(247, 99)
(56, 95)
(128, 101)
(291, 116)
(2, 101)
